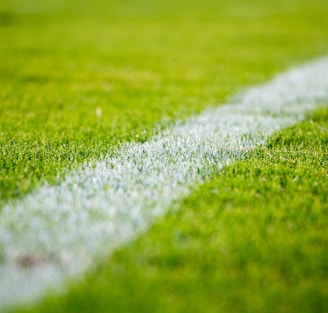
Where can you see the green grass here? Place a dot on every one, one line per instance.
(254, 239)
(144, 64)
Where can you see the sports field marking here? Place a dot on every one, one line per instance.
(57, 232)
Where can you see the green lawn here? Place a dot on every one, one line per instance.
(143, 65)
(252, 240)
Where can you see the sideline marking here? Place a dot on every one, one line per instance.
(56, 232)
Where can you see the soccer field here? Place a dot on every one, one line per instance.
(163, 156)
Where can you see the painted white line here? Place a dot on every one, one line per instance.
(57, 232)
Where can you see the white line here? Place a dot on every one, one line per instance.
(61, 230)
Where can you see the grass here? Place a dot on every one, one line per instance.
(143, 69)
(254, 238)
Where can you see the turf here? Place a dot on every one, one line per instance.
(78, 80)
(254, 239)
(142, 64)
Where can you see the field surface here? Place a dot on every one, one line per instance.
(79, 82)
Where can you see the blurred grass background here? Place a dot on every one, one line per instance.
(141, 63)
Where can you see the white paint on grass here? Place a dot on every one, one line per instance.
(62, 230)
